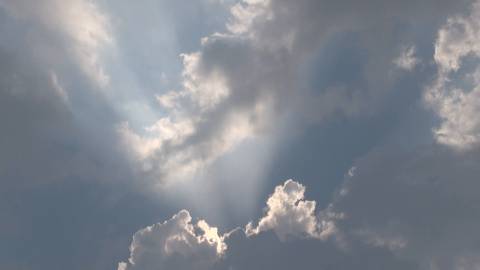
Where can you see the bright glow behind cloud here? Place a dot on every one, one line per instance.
(81, 23)
(101, 102)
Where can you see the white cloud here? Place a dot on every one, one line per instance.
(204, 90)
(396, 212)
(166, 151)
(164, 131)
(166, 148)
(292, 235)
(244, 14)
(245, 81)
(455, 95)
(175, 244)
(457, 39)
(289, 215)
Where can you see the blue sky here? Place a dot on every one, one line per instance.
(239, 134)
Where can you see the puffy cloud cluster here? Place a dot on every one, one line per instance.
(377, 229)
(289, 215)
(178, 244)
(455, 95)
(199, 127)
(175, 244)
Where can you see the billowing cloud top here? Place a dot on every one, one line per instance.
(175, 244)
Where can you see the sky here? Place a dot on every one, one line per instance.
(239, 134)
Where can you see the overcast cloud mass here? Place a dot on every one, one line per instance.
(239, 134)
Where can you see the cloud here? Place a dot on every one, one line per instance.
(256, 64)
(215, 126)
(454, 95)
(256, 75)
(79, 23)
(405, 209)
(290, 216)
(420, 204)
(274, 70)
(58, 144)
(175, 244)
(289, 235)
(51, 77)
(266, 251)
(456, 39)
(178, 244)
(407, 60)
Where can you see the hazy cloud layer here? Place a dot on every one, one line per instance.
(116, 114)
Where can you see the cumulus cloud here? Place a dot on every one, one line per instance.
(290, 235)
(178, 244)
(289, 215)
(175, 244)
(455, 95)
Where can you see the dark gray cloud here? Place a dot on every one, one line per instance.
(420, 203)
(267, 252)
